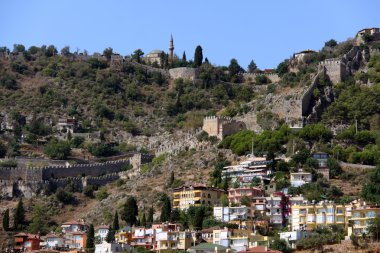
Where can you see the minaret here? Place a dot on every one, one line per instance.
(171, 49)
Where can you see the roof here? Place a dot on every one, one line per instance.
(260, 249)
(366, 29)
(102, 227)
(30, 236)
(156, 51)
(308, 51)
(208, 246)
(51, 235)
(74, 222)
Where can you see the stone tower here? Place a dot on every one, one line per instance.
(171, 49)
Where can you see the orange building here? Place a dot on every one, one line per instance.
(26, 242)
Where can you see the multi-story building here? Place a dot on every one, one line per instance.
(101, 232)
(124, 236)
(246, 171)
(276, 208)
(75, 240)
(353, 216)
(300, 178)
(54, 241)
(235, 195)
(196, 195)
(228, 213)
(359, 214)
(143, 237)
(74, 226)
(26, 242)
(175, 240)
(259, 205)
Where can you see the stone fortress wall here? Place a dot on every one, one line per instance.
(184, 72)
(273, 77)
(222, 126)
(29, 182)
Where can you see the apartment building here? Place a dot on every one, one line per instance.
(196, 195)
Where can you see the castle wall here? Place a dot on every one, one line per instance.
(273, 77)
(185, 73)
(335, 69)
(221, 126)
(307, 96)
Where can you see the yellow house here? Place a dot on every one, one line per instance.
(353, 216)
(124, 236)
(359, 215)
(196, 195)
(174, 240)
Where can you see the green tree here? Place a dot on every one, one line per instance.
(234, 69)
(137, 54)
(90, 243)
(130, 211)
(110, 235)
(6, 220)
(371, 191)
(331, 43)
(18, 48)
(198, 56)
(3, 150)
(252, 67)
(51, 51)
(19, 216)
(39, 219)
(334, 167)
(65, 51)
(281, 245)
(143, 220)
(166, 208)
(58, 149)
(374, 228)
(184, 57)
(150, 215)
(171, 180)
(115, 225)
(108, 53)
(282, 68)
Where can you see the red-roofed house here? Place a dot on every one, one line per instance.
(26, 242)
(54, 241)
(74, 226)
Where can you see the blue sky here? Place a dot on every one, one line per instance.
(265, 31)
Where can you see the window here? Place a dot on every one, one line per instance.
(217, 235)
(209, 196)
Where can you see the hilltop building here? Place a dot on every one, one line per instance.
(300, 56)
(156, 55)
(222, 126)
(374, 32)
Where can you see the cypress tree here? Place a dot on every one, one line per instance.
(130, 211)
(150, 215)
(166, 208)
(171, 181)
(19, 216)
(110, 235)
(184, 57)
(198, 56)
(143, 220)
(6, 220)
(90, 244)
(115, 225)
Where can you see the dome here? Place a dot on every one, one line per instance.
(157, 51)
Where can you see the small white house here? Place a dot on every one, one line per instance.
(292, 237)
(300, 178)
(228, 213)
(106, 247)
(54, 241)
(101, 232)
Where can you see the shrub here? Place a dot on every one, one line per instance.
(101, 194)
(57, 149)
(9, 82)
(101, 150)
(64, 197)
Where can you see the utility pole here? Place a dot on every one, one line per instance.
(252, 147)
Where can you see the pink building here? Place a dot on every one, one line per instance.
(236, 194)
